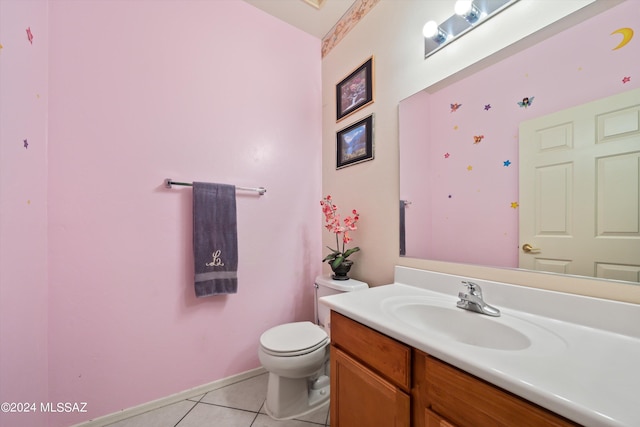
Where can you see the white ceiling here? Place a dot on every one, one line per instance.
(304, 16)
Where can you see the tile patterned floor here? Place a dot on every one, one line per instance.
(237, 405)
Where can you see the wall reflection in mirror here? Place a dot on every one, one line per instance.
(460, 158)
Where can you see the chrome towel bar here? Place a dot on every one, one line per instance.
(168, 183)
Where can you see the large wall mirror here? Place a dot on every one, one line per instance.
(462, 158)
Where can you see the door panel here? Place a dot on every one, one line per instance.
(580, 189)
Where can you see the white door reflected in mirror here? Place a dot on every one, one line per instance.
(583, 156)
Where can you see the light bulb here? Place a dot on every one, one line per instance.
(462, 7)
(467, 10)
(430, 29)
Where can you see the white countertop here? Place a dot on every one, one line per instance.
(585, 366)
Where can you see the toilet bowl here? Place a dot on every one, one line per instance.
(296, 355)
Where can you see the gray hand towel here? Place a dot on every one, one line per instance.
(215, 239)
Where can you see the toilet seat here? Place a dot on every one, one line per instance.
(293, 339)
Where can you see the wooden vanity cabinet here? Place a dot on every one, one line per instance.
(370, 377)
(377, 381)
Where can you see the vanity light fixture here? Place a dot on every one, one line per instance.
(468, 15)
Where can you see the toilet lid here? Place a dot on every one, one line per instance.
(293, 338)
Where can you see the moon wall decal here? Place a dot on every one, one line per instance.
(627, 35)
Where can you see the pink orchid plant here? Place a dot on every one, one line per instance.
(339, 228)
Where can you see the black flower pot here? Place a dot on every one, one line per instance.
(341, 271)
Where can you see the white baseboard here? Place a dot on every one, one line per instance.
(168, 400)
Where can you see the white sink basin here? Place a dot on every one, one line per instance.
(444, 319)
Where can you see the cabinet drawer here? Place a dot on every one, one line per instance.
(385, 355)
(467, 401)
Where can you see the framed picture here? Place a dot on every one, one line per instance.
(354, 144)
(355, 91)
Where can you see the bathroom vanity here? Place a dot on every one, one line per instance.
(406, 387)
(405, 355)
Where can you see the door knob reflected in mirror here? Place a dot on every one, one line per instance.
(527, 248)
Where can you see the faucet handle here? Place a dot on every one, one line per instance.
(474, 289)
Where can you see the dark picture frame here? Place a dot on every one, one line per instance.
(355, 91)
(354, 144)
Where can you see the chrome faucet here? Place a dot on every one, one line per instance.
(472, 300)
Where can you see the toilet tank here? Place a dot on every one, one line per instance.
(325, 286)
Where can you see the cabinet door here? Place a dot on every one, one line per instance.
(359, 397)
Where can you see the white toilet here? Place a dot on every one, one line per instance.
(296, 355)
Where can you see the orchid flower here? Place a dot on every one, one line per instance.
(334, 224)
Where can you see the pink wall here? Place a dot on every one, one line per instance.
(23, 209)
(472, 218)
(138, 92)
